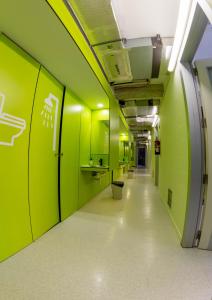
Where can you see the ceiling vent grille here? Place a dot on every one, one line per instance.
(117, 65)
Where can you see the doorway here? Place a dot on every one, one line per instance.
(141, 157)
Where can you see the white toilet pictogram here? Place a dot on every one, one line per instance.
(11, 127)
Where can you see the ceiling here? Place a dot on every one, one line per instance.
(133, 41)
(145, 18)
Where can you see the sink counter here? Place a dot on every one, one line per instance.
(97, 169)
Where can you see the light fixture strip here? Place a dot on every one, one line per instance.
(183, 16)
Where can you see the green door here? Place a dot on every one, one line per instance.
(18, 76)
(43, 159)
(69, 171)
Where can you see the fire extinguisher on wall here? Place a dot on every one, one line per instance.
(157, 147)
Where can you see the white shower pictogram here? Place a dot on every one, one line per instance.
(50, 115)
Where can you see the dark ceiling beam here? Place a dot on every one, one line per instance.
(157, 55)
(140, 103)
(135, 83)
(139, 93)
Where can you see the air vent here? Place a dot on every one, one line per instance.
(169, 201)
(117, 66)
(122, 103)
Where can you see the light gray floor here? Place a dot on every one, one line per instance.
(111, 250)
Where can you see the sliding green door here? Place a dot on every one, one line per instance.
(18, 76)
(69, 175)
(44, 147)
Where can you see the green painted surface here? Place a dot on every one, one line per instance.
(70, 145)
(174, 158)
(60, 9)
(85, 136)
(18, 76)
(43, 171)
(114, 134)
(89, 186)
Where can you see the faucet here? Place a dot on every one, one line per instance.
(100, 161)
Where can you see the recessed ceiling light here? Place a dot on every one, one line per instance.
(100, 105)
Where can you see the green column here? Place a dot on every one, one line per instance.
(70, 147)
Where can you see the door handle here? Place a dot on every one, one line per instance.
(58, 154)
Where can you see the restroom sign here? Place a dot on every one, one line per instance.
(11, 127)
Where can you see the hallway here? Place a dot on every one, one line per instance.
(110, 250)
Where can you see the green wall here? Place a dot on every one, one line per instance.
(70, 146)
(89, 186)
(29, 170)
(77, 187)
(114, 136)
(18, 76)
(174, 158)
(43, 154)
(29, 152)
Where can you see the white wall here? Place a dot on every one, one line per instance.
(204, 50)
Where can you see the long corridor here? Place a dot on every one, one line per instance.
(111, 250)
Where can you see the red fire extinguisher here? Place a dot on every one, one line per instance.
(157, 147)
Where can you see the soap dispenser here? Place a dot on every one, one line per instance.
(100, 161)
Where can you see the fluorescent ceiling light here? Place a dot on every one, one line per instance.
(155, 121)
(139, 119)
(185, 7)
(100, 105)
(154, 110)
(144, 119)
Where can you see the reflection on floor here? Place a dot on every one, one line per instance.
(111, 250)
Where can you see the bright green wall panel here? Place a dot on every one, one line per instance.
(121, 150)
(44, 142)
(88, 185)
(174, 158)
(85, 136)
(18, 76)
(114, 134)
(69, 172)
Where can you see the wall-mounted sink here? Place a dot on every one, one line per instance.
(97, 169)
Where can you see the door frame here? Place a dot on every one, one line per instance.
(203, 243)
(201, 15)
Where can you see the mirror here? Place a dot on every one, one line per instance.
(124, 148)
(100, 137)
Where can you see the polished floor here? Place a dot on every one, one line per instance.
(110, 250)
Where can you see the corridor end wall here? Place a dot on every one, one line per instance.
(174, 158)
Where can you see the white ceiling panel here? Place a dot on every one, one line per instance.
(145, 18)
